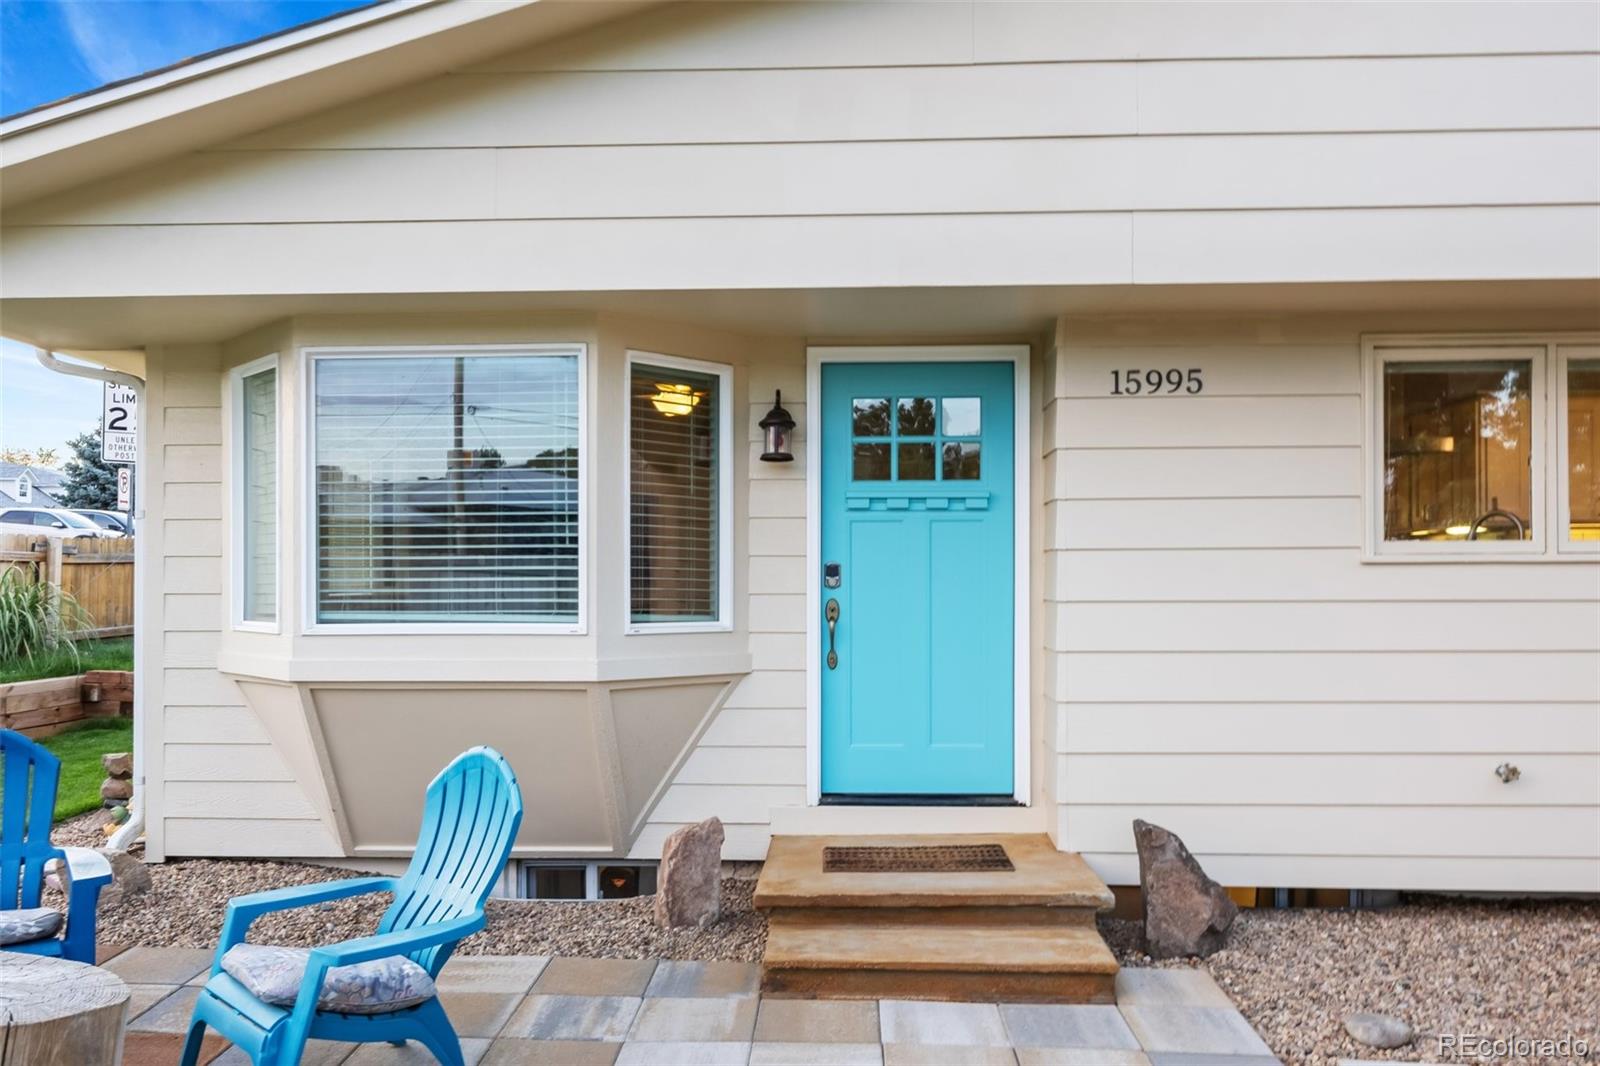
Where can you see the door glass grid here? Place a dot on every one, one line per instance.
(916, 438)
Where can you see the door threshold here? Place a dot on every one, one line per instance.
(880, 799)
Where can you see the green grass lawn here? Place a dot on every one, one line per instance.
(115, 654)
(79, 749)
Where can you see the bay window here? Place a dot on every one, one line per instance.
(1580, 408)
(678, 493)
(255, 511)
(445, 486)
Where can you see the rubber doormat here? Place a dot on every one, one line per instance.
(932, 859)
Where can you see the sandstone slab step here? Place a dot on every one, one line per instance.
(793, 876)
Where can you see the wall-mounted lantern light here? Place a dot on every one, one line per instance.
(777, 433)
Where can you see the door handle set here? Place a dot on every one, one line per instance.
(831, 613)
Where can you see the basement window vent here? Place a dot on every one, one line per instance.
(577, 880)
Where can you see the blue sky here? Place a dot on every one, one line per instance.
(54, 48)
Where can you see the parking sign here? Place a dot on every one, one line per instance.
(124, 487)
(119, 428)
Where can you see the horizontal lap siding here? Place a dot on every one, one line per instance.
(1224, 664)
(224, 789)
(751, 757)
(1299, 143)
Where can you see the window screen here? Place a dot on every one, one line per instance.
(259, 453)
(674, 555)
(447, 488)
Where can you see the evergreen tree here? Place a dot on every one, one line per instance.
(89, 481)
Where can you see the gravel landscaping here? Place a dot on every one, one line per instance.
(1498, 969)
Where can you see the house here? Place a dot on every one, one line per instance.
(33, 486)
(1194, 418)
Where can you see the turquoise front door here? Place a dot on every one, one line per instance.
(917, 579)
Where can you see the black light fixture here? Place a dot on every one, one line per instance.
(777, 432)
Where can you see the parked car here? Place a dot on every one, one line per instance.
(115, 521)
(50, 522)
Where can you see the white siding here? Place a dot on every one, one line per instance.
(219, 786)
(752, 756)
(898, 144)
(1224, 664)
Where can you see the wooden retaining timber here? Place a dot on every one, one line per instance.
(96, 572)
(49, 705)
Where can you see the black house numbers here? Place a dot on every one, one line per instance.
(1157, 382)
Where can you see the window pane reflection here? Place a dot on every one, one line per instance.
(916, 416)
(869, 418)
(962, 416)
(961, 461)
(1457, 449)
(916, 462)
(870, 462)
(1583, 449)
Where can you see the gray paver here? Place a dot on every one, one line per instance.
(160, 966)
(799, 1054)
(142, 997)
(317, 1053)
(1168, 988)
(595, 977)
(1060, 1026)
(683, 1053)
(946, 1055)
(1176, 1058)
(491, 973)
(479, 1013)
(1194, 1030)
(816, 1021)
(515, 1051)
(719, 1020)
(960, 1024)
(1077, 1056)
(573, 1017)
(170, 1015)
(699, 979)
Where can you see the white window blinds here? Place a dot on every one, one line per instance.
(447, 488)
(674, 564)
(259, 453)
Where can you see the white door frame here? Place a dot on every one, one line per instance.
(1018, 356)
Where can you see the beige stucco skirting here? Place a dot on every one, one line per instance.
(592, 759)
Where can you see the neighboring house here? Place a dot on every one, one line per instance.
(31, 486)
(1196, 420)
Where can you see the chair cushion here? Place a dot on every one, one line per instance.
(273, 975)
(35, 923)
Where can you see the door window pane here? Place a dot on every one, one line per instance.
(870, 462)
(869, 418)
(962, 461)
(446, 488)
(916, 462)
(1583, 449)
(1458, 445)
(916, 416)
(675, 557)
(259, 456)
(962, 416)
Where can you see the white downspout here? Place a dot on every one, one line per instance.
(129, 830)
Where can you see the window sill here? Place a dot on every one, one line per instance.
(458, 671)
(643, 629)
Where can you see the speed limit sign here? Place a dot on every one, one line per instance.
(119, 426)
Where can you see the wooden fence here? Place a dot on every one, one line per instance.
(96, 572)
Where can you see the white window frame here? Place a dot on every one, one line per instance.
(723, 623)
(306, 497)
(236, 414)
(1562, 354)
(1548, 353)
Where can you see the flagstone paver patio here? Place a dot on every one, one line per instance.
(522, 1011)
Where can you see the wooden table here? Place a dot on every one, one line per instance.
(59, 1013)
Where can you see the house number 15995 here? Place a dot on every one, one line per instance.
(1155, 382)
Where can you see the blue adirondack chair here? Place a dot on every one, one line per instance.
(468, 825)
(31, 776)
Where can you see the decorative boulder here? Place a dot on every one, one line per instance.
(118, 763)
(689, 882)
(115, 790)
(1185, 912)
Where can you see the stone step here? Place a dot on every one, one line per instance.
(793, 876)
(948, 954)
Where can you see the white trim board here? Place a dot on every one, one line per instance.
(1016, 354)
